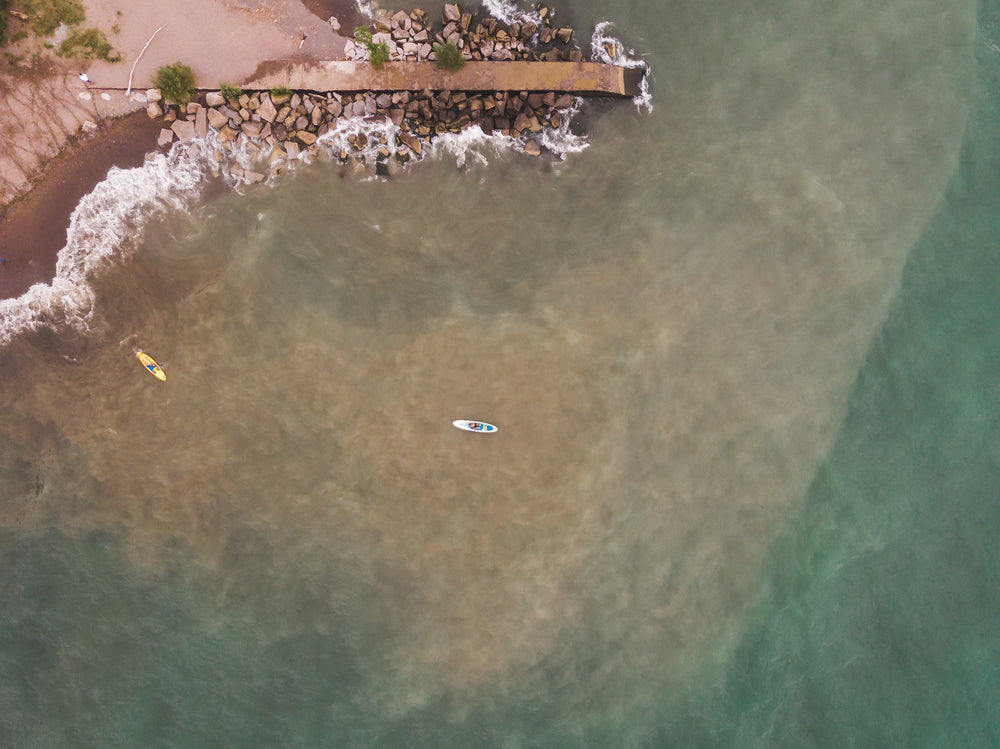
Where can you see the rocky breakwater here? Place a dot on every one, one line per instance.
(409, 36)
(278, 125)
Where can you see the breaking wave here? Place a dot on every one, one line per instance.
(610, 50)
(105, 227)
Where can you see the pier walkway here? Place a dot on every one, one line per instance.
(581, 78)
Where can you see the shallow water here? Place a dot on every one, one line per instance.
(288, 544)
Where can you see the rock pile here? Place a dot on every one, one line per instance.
(409, 36)
(279, 125)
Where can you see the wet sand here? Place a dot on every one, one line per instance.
(33, 230)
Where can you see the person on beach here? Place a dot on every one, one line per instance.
(85, 78)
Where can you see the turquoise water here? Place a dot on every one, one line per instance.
(741, 358)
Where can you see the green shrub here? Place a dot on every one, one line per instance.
(230, 92)
(379, 55)
(279, 92)
(363, 35)
(46, 15)
(448, 56)
(175, 82)
(3, 18)
(88, 44)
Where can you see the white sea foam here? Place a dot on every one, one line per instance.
(507, 11)
(105, 227)
(367, 8)
(624, 57)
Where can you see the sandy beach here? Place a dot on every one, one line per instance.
(60, 136)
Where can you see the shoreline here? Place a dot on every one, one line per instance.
(53, 161)
(33, 227)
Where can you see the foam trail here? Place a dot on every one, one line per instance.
(599, 43)
(104, 227)
(367, 8)
(507, 12)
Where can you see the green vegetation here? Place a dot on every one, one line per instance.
(4, 4)
(175, 82)
(44, 16)
(279, 92)
(378, 54)
(230, 92)
(448, 56)
(363, 35)
(88, 44)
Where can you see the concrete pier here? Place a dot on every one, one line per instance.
(581, 78)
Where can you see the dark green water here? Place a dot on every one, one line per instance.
(744, 492)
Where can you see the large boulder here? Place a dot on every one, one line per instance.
(201, 122)
(267, 110)
(451, 13)
(410, 141)
(184, 129)
(216, 118)
(214, 99)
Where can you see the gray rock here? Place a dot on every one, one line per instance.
(183, 129)
(266, 110)
(383, 101)
(152, 95)
(305, 137)
(565, 101)
(89, 127)
(154, 110)
(253, 177)
(292, 149)
(214, 99)
(165, 138)
(139, 97)
(410, 141)
(334, 23)
(251, 129)
(201, 122)
(216, 118)
(334, 108)
(396, 115)
(276, 155)
(532, 148)
(451, 13)
(227, 134)
(316, 117)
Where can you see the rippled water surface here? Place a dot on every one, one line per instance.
(742, 492)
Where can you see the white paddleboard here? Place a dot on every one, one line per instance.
(474, 426)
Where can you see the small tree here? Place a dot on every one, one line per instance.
(448, 56)
(363, 35)
(379, 55)
(175, 82)
(230, 91)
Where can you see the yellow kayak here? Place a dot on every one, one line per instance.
(150, 363)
